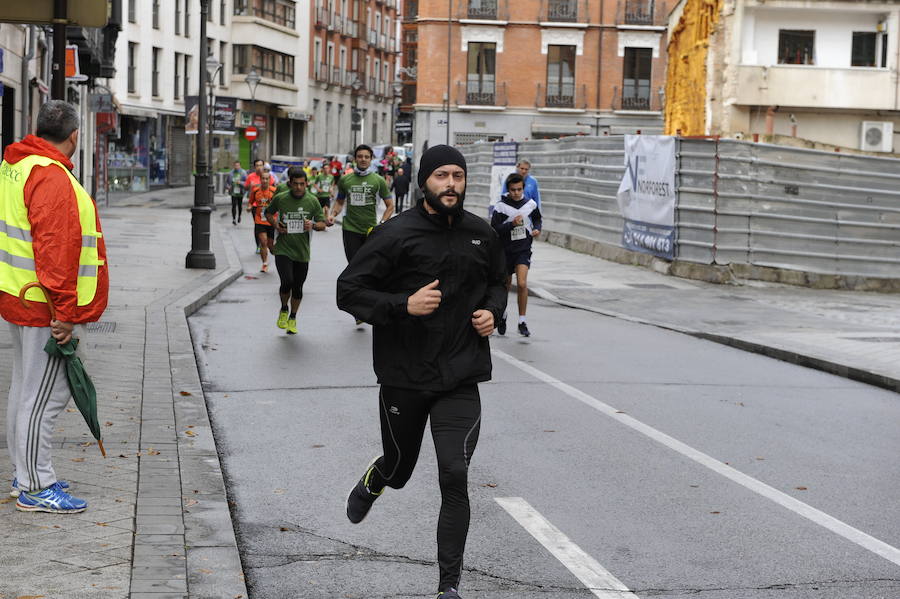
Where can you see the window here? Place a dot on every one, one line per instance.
(482, 9)
(187, 74)
(187, 21)
(132, 11)
(154, 87)
(482, 73)
(561, 76)
(156, 14)
(209, 12)
(636, 79)
(222, 12)
(223, 49)
(796, 47)
(267, 63)
(132, 67)
(177, 17)
(280, 12)
(177, 79)
(864, 49)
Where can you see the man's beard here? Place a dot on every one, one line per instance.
(434, 200)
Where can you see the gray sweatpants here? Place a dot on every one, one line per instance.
(38, 393)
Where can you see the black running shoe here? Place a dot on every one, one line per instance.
(449, 594)
(523, 330)
(360, 500)
(501, 326)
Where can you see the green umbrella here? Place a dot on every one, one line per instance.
(80, 384)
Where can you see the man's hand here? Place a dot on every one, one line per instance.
(535, 232)
(280, 227)
(307, 225)
(483, 321)
(330, 220)
(518, 220)
(424, 301)
(61, 331)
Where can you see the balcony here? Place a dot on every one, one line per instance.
(322, 73)
(483, 94)
(383, 41)
(371, 87)
(350, 28)
(410, 10)
(560, 11)
(337, 76)
(337, 24)
(816, 87)
(321, 18)
(373, 37)
(565, 96)
(484, 10)
(638, 12)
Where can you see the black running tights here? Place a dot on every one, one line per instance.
(455, 419)
(236, 204)
(292, 275)
(352, 243)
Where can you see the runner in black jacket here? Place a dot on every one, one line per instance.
(431, 281)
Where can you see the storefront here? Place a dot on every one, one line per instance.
(129, 153)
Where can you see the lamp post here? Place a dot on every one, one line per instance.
(213, 67)
(356, 85)
(398, 89)
(252, 80)
(200, 255)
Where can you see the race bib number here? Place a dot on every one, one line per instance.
(357, 198)
(518, 233)
(294, 221)
(325, 186)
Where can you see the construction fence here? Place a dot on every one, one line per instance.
(739, 203)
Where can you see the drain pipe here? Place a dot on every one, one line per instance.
(770, 120)
(26, 82)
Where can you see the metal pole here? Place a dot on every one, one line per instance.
(212, 168)
(449, 51)
(200, 255)
(60, 21)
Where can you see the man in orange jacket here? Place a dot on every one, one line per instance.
(50, 233)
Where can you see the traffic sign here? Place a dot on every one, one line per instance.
(250, 133)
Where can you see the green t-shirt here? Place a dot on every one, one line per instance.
(361, 195)
(291, 213)
(324, 182)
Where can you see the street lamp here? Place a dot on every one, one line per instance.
(356, 84)
(213, 67)
(398, 89)
(200, 255)
(253, 80)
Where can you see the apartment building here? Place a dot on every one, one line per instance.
(158, 69)
(526, 69)
(353, 53)
(823, 72)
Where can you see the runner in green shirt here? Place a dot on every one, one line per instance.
(363, 188)
(322, 184)
(298, 212)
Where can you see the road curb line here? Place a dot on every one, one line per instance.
(785, 355)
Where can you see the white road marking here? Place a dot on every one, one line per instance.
(876, 546)
(588, 570)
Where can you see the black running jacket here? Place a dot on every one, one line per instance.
(440, 351)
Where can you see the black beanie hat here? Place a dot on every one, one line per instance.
(437, 156)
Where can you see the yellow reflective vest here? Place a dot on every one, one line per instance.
(17, 266)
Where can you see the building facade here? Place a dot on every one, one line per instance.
(526, 69)
(822, 73)
(353, 53)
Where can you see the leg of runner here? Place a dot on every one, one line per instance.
(501, 325)
(285, 274)
(264, 250)
(235, 209)
(352, 243)
(455, 424)
(403, 414)
(522, 297)
(293, 275)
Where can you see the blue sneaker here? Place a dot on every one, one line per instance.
(52, 499)
(14, 490)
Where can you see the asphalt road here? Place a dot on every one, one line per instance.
(645, 459)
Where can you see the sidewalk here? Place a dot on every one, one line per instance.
(848, 333)
(159, 525)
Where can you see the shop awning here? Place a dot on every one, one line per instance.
(560, 129)
(128, 110)
(296, 113)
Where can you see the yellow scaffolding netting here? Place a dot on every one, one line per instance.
(685, 109)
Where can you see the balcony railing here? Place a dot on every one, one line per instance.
(410, 10)
(337, 76)
(636, 97)
(348, 78)
(383, 41)
(321, 17)
(482, 9)
(350, 28)
(562, 11)
(337, 23)
(566, 94)
(636, 102)
(371, 87)
(322, 72)
(638, 12)
(481, 93)
(373, 37)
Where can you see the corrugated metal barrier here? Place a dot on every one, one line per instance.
(739, 202)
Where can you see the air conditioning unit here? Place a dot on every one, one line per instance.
(877, 136)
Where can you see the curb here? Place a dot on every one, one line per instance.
(805, 360)
(213, 562)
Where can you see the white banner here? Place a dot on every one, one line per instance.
(647, 195)
(504, 164)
